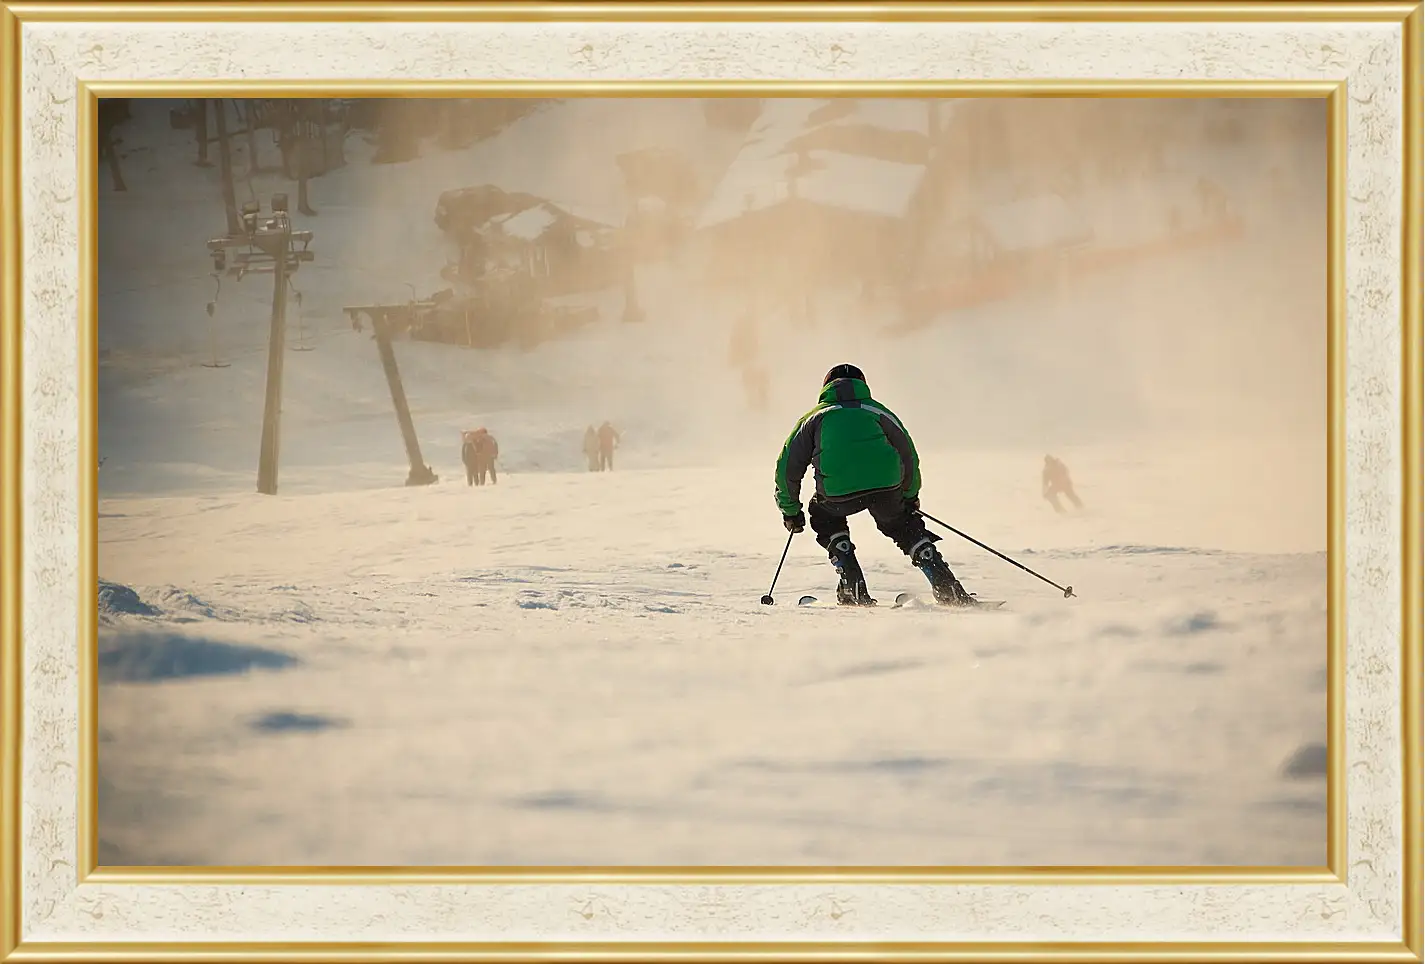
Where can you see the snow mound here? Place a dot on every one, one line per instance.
(151, 657)
(1307, 762)
(117, 600)
(290, 721)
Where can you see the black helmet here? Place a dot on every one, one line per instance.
(842, 371)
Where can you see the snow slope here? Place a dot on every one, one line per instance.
(572, 668)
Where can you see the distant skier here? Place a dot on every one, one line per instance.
(861, 458)
(591, 448)
(469, 455)
(478, 453)
(489, 450)
(608, 441)
(1055, 482)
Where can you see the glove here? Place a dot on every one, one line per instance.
(912, 503)
(795, 523)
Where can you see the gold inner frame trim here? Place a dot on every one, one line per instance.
(1412, 429)
(11, 476)
(1333, 93)
(1046, 90)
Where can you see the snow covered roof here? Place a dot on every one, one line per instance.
(860, 183)
(604, 217)
(529, 224)
(756, 179)
(782, 119)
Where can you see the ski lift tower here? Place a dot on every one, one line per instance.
(269, 245)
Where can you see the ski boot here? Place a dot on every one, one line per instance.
(943, 584)
(851, 591)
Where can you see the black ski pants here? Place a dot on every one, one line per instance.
(888, 509)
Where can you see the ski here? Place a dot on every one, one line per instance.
(908, 598)
(814, 601)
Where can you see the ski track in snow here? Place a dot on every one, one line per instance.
(572, 668)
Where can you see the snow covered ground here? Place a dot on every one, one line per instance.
(573, 668)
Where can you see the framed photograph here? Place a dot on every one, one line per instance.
(651, 481)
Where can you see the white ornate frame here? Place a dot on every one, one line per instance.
(58, 57)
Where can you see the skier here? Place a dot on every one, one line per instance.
(1055, 481)
(861, 458)
(469, 455)
(608, 441)
(591, 448)
(486, 450)
(478, 450)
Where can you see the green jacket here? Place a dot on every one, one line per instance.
(853, 445)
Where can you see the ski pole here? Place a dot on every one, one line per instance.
(767, 600)
(1068, 591)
